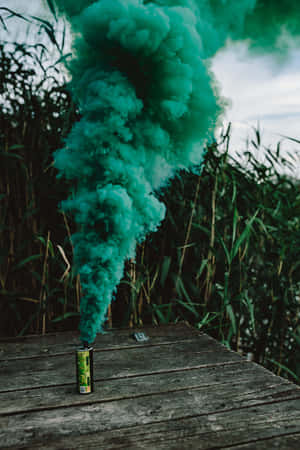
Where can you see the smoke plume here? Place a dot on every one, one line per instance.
(149, 105)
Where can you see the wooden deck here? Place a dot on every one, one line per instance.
(180, 390)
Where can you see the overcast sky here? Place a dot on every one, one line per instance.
(260, 90)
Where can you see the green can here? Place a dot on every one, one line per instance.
(84, 370)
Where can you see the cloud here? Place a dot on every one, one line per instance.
(275, 116)
(261, 90)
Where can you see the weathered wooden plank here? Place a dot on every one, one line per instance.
(181, 420)
(285, 442)
(60, 369)
(205, 441)
(61, 343)
(254, 384)
(180, 391)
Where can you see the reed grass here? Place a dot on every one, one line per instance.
(226, 259)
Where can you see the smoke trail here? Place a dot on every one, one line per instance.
(149, 105)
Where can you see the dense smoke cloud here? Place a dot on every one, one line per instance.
(149, 106)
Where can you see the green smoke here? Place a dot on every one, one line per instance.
(149, 105)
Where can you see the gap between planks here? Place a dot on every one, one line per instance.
(265, 389)
(31, 346)
(36, 373)
(214, 425)
(135, 375)
(106, 349)
(151, 395)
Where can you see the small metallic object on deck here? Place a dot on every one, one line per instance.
(84, 369)
(141, 337)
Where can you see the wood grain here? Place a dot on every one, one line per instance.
(180, 390)
(123, 362)
(62, 343)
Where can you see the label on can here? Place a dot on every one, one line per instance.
(84, 371)
(85, 389)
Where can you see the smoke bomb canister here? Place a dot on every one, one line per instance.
(84, 370)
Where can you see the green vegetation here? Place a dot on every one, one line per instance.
(226, 259)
